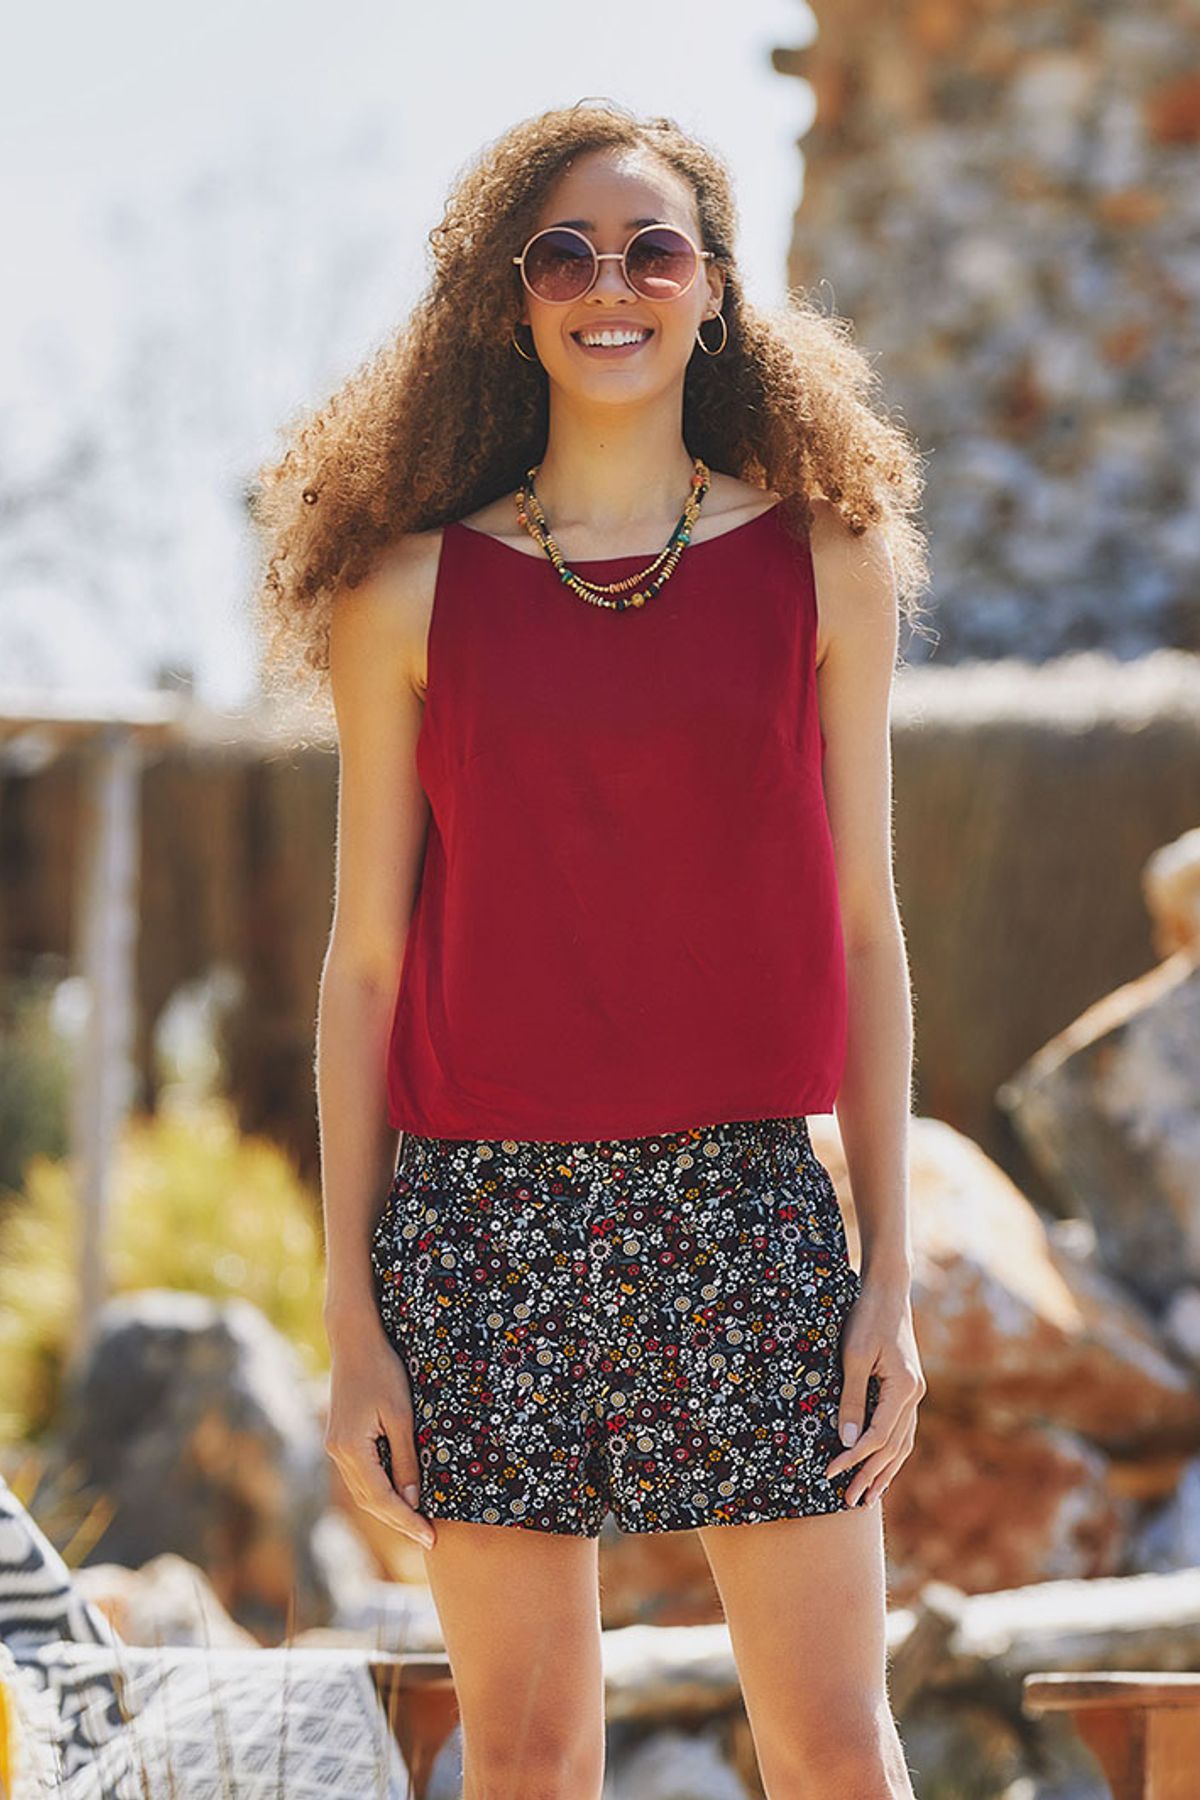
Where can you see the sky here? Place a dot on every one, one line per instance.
(177, 182)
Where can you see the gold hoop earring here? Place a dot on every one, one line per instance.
(517, 347)
(724, 336)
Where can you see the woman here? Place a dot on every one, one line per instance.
(605, 567)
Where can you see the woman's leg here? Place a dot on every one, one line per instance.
(805, 1600)
(520, 1612)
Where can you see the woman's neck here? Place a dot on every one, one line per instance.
(611, 472)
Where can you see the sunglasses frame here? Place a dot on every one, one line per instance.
(599, 256)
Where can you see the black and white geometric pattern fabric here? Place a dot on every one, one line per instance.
(99, 1719)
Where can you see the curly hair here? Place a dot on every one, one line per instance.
(444, 417)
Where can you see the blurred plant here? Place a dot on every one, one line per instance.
(34, 1078)
(196, 1206)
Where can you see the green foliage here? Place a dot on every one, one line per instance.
(34, 1080)
(196, 1206)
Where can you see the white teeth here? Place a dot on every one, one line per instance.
(612, 337)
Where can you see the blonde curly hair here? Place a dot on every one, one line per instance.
(445, 417)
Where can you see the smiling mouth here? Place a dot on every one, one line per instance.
(623, 341)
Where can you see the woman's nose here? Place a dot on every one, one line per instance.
(610, 277)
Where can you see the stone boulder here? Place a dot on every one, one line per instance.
(1016, 1324)
(1108, 1112)
(987, 1508)
(191, 1425)
(1054, 1405)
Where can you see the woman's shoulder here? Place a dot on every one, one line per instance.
(386, 616)
(498, 519)
(400, 580)
(835, 543)
(854, 575)
(728, 494)
(497, 516)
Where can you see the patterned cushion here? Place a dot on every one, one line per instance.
(106, 1720)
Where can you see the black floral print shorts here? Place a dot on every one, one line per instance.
(649, 1326)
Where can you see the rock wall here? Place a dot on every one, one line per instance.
(1005, 199)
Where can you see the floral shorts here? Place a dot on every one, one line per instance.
(647, 1326)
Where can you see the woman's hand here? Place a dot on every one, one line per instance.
(878, 1339)
(370, 1396)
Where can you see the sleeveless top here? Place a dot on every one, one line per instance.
(627, 917)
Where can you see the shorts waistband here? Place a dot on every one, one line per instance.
(769, 1135)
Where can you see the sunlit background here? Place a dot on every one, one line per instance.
(217, 212)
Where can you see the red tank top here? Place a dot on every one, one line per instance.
(627, 919)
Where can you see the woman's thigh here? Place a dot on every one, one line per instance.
(805, 1601)
(520, 1614)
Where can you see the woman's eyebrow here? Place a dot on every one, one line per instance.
(590, 224)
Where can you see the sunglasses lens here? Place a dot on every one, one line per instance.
(661, 263)
(558, 265)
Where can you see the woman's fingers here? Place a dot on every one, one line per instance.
(396, 1505)
(885, 1421)
(879, 1468)
(374, 1445)
(397, 1451)
(883, 1446)
(366, 1478)
(882, 1481)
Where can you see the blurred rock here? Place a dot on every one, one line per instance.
(1171, 886)
(1015, 1327)
(1181, 1325)
(988, 1508)
(1147, 1621)
(963, 1750)
(1003, 201)
(1171, 1537)
(347, 1564)
(193, 1423)
(674, 1766)
(387, 1615)
(655, 1578)
(653, 1671)
(167, 1601)
(1108, 1111)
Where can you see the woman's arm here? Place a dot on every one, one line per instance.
(857, 642)
(377, 661)
(856, 652)
(376, 671)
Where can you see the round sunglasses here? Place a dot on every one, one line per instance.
(560, 264)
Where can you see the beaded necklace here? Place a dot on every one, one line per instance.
(615, 594)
